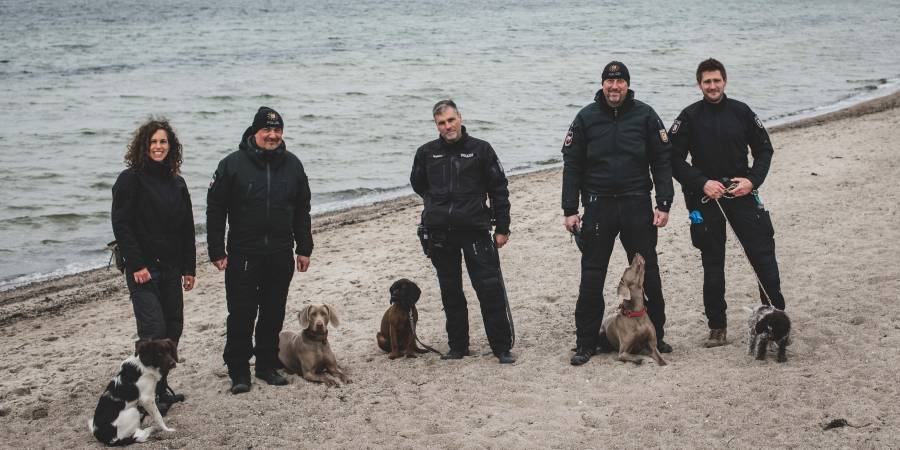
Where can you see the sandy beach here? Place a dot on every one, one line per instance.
(831, 192)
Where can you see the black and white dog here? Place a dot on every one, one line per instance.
(117, 420)
(768, 324)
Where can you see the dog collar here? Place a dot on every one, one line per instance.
(628, 313)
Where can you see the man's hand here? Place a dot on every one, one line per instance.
(187, 282)
(660, 219)
(142, 276)
(713, 189)
(500, 240)
(221, 264)
(743, 188)
(302, 263)
(573, 222)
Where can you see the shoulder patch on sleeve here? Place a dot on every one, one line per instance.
(663, 136)
(675, 126)
(569, 135)
(758, 122)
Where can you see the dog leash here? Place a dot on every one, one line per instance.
(705, 199)
(412, 324)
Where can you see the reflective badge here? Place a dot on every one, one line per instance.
(663, 136)
(675, 126)
(758, 122)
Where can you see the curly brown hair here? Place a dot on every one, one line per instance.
(137, 153)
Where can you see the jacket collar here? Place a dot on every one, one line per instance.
(462, 139)
(716, 106)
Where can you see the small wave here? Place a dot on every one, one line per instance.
(266, 97)
(354, 93)
(50, 241)
(4, 61)
(101, 185)
(87, 132)
(220, 98)
(547, 162)
(45, 176)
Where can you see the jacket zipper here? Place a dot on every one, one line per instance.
(268, 194)
(452, 199)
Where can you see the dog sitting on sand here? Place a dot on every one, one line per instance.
(397, 335)
(629, 330)
(308, 353)
(767, 324)
(117, 420)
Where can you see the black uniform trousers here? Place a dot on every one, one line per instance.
(158, 308)
(158, 304)
(255, 283)
(631, 218)
(753, 227)
(446, 251)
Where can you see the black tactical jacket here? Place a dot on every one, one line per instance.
(265, 196)
(152, 219)
(455, 180)
(613, 151)
(717, 136)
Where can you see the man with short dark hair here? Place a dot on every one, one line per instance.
(455, 174)
(612, 148)
(717, 131)
(263, 192)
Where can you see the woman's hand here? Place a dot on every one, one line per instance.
(142, 276)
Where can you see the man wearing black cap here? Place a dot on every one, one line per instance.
(612, 148)
(717, 131)
(455, 174)
(263, 192)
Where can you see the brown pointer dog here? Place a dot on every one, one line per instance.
(308, 353)
(397, 335)
(629, 330)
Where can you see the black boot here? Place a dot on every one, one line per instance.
(240, 379)
(165, 396)
(582, 355)
(455, 354)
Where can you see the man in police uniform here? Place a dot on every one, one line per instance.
(717, 131)
(263, 192)
(455, 174)
(612, 148)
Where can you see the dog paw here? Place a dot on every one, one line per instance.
(169, 430)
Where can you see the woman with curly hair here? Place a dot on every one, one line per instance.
(153, 223)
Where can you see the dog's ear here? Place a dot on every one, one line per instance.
(763, 324)
(415, 291)
(172, 348)
(395, 287)
(622, 291)
(332, 314)
(303, 316)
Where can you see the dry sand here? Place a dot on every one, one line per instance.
(833, 195)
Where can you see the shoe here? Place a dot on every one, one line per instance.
(506, 358)
(163, 407)
(240, 384)
(663, 347)
(271, 377)
(169, 396)
(716, 338)
(455, 354)
(582, 355)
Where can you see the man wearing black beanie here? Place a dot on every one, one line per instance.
(612, 148)
(263, 192)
